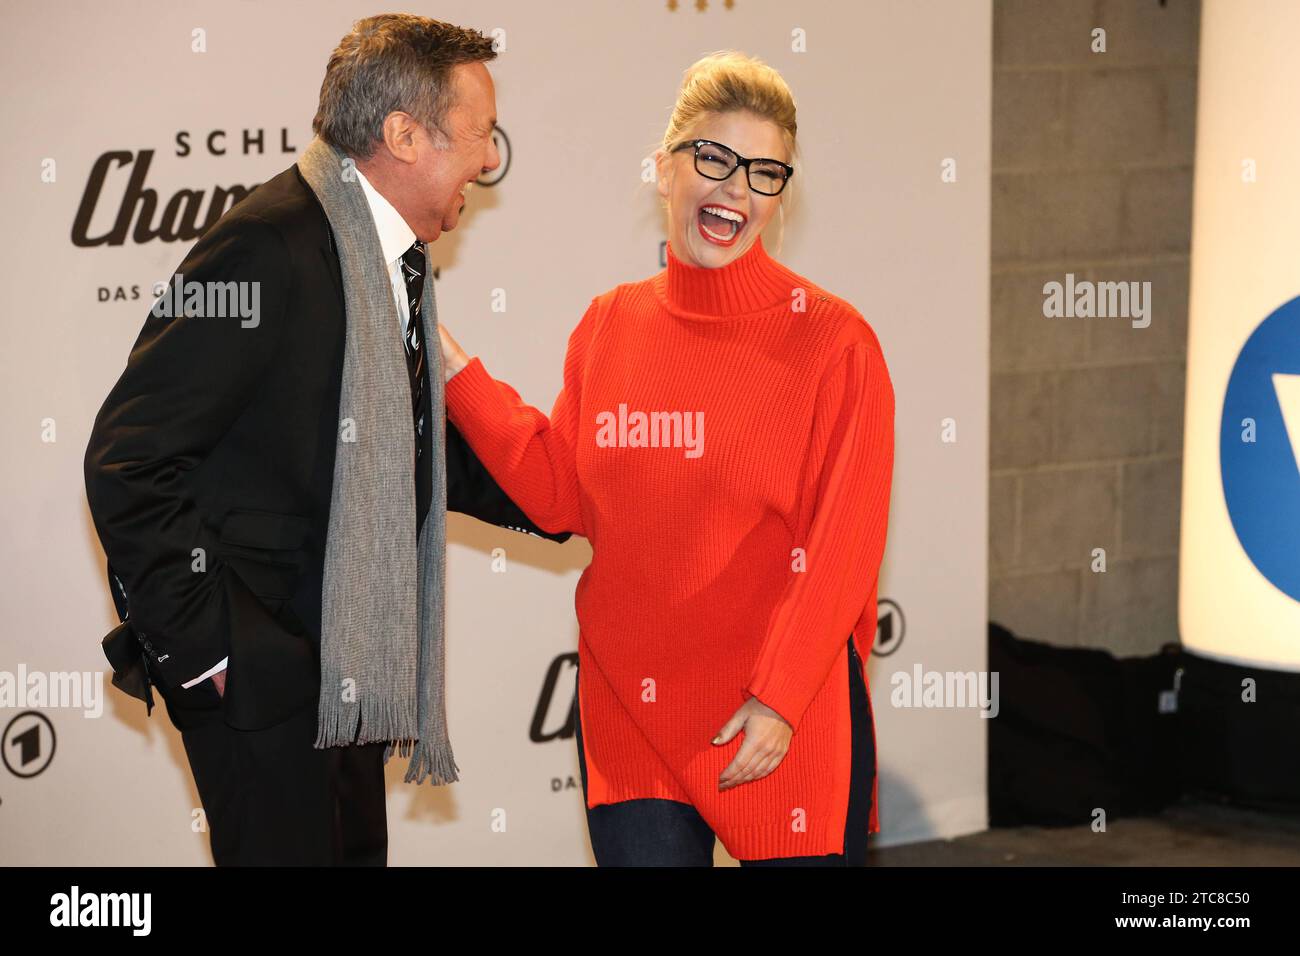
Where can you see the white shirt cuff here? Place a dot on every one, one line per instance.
(208, 673)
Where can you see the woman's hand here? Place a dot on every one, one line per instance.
(453, 356)
(767, 738)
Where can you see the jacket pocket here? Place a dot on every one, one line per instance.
(266, 549)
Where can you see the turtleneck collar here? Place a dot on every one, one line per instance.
(750, 283)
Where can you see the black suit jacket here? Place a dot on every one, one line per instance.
(210, 466)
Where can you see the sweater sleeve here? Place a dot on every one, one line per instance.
(854, 422)
(532, 458)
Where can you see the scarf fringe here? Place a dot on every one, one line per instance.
(437, 763)
(341, 724)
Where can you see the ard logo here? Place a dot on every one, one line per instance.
(28, 744)
(890, 627)
(502, 142)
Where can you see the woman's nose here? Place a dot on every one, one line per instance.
(737, 184)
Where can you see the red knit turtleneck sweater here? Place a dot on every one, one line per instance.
(724, 438)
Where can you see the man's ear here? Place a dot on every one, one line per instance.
(399, 136)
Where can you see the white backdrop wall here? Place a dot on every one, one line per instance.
(887, 91)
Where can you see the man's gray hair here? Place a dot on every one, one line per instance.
(392, 62)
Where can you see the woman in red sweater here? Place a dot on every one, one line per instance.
(734, 567)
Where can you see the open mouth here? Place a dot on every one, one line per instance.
(720, 224)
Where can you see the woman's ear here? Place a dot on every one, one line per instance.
(661, 172)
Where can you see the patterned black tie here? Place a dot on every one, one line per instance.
(413, 269)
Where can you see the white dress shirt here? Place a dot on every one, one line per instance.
(395, 237)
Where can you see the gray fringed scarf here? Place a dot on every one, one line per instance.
(382, 653)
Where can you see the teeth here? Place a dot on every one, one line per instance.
(725, 213)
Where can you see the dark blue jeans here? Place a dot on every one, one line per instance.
(656, 832)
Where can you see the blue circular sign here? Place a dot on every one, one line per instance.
(1261, 476)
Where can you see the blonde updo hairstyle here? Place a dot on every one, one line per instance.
(729, 81)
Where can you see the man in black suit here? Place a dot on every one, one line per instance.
(210, 466)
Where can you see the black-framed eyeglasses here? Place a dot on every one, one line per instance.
(715, 161)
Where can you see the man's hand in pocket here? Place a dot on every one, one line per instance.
(219, 678)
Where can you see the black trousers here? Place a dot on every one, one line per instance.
(271, 798)
(657, 832)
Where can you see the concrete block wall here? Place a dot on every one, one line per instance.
(1092, 175)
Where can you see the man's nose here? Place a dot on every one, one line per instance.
(493, 157)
